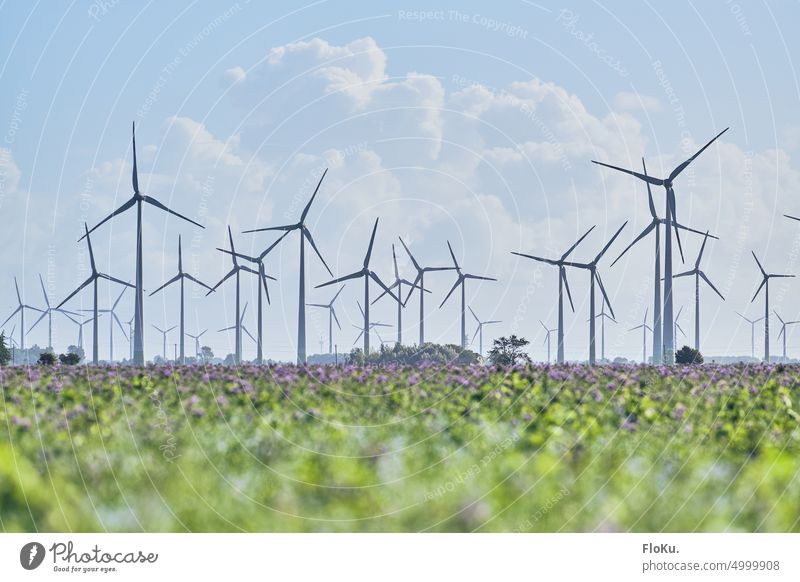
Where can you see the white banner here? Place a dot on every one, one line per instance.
(402, 557)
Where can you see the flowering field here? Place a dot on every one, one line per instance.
(400, 449)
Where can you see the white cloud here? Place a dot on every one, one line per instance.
(636, 102)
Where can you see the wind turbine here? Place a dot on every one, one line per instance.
(698, 274)
(783, 330)
(419, 283)
(181, 276)
(595, 276)
(80, 325)
(367, 275)
(765, 284)
(752, 323)
(655, 226)
(93, 278)
(562, 283)
(671, 216)
(547, 338)
(331, 317)
(235, 271)
(372, 325)
(136, 200)
(678, 327)
(304, 234)
(241, 327)
(196, 339)
(645, 328)
(461, 279)
(262, 276)
(164, 333)
(602, 316)
(49, 314)
(21, 307)
(479, 330)
(398, 283)
(113, 317)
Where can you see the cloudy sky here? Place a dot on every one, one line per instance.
(456, 121)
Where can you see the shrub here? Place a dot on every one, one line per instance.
(507, 351)
(47, 359)
(70, 358)
(687, 355)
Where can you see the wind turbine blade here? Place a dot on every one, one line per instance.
(760, 268)
(30, 329)
(778, 316)
(241, 317)
(783, 329)
(273, 245)
(645, 177)
(474, 335)
(473, 313)
(263, 276)
(226, 329)
(684, 274)
(135, 173)
(680, 329)
(336, 319)
(609, 243)
(114, 306)
(307, 234)
(413, 260)
(492, 321)
(700, 254)
(650, 202)
(386, 289)
(453, 288)
(371, 242)
(572, 248)
(535, 258)
(478, 277)
(158, 328)
(792, 217)
(453, 255)
(603, 291)
(763, 281)
(566, 284)
(194, 280)
(170, 282)
(682, 167)
(637, 327)
(71, 295)
(180, 256)
(337, 295)
(686, 228)
(233, 248)
(392, 286)
(170, 329)
(317, 305)
(355, 275)
(287, 228)
(41, 282)
(119, 324)
(359, 337)
(710, 284)
(314, 195)
(157, 204)
(234, 256)
(118, 211)
(743, 317)
(673, 206)
(250, 335)
(394, 260)
(114, 279)
(230, 274)
(414, 286)
(544, 326)
(778, 276)
(248, 269)
(19, 297)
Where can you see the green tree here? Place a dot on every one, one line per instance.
(47, 359)
(70, 359)
(508, 351)
(78, 351)
(206, 354)
(687, 355)
(5, 354)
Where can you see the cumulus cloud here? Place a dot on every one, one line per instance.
(636, 102)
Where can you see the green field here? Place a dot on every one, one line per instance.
(570, 448)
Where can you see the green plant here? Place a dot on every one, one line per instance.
(508, 351)
(69, 359)
(5, 354)
(47, 359)
(688, 355)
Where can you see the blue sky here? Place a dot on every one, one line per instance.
(248, 99)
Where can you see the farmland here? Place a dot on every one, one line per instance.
(429, 448)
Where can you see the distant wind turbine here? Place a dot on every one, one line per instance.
(547, 338)
(181, 276)
(765, 285)
(595, 276)
(677, 327)
(80, 325)
(136, 200)
(331, 317)
(698, 274)
(196, 338)
(304, 234)
(49, 314)
(752, 323)
(562, 283)
(645, 328)
(602, 316)
(398, 283)
(93, 278)
(164, 333)
(366, 274)
(241, 327)
(365, 331)
(112, 318)
(461, 280)
(21, 307)
(783, 330)
(419, 283)
(671, 216)
(479, 330)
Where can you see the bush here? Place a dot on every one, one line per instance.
(70, 358)
(507, 351)
(5, 354)
(415, 355)
(47, 359)
(687, 355)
